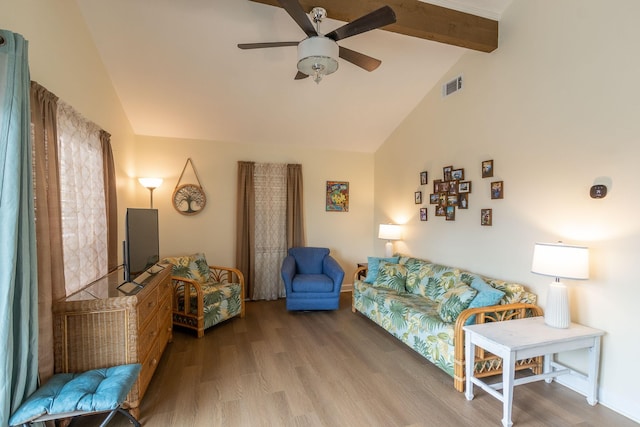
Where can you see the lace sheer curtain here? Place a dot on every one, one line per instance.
(270, 229)
(82, 199)
(269, 221)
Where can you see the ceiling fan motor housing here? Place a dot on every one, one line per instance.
(318, 54)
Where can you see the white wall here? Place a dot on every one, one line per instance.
(212, 231)
(556, 107)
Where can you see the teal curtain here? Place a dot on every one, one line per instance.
(18, 268)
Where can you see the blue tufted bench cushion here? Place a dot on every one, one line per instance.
(69, 395)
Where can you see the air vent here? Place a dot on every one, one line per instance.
(452, 86)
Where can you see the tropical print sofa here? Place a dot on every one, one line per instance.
(204, 295)
(425, 305)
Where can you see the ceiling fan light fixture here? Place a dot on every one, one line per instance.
(317, 57)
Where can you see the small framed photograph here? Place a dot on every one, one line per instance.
(486, 217)
(463, 200)
(497, 190)
(453, 187)
(452, 200)
(437, 183)
(418, 197)
(450, 213)
(457, 174)
(464, 187)
(423, 177)
(423, 214)
(487, 169)
(440, 210)
(446, 173)
(434, 198)
(442, 199)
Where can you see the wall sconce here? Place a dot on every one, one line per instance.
(389, 232)
(151, 184)
(559, 261)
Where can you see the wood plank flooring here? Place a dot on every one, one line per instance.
(277, 368)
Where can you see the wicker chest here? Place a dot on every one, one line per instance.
(101, 326)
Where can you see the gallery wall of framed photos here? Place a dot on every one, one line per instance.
(452, 192)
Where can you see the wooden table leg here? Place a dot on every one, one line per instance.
(594, 357)
(508, 378)
(470, 351)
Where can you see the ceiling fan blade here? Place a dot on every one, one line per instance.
(298, 14)
(376, 19)
(268, 44)
(300, 76)
(359, 59)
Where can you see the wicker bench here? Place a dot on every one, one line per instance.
(71, 395)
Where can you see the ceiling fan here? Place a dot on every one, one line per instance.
(317, 54)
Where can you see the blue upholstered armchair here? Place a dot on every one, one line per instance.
(312, 279)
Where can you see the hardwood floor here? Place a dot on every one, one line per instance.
(276, 368)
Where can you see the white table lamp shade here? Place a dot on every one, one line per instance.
(389, 232)
(559, 261)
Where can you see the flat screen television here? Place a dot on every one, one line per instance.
(142, 244)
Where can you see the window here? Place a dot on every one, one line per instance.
(82, 199)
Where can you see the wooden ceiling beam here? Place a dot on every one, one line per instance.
(417, 19)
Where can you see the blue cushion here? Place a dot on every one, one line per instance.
(374, 264)
(97, 390)
(312, 283)
(309, 259)
(486, 296)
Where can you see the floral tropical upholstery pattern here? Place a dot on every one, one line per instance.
(204, 295)
(423, 314)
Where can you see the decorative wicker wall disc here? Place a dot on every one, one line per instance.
(189, 199)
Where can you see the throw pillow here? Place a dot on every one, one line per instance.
(391, 276)
(486, 296)
(442, 280)
(190, 267)
(373, 264)
(454, 302)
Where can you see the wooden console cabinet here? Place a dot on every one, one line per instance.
(100, 326)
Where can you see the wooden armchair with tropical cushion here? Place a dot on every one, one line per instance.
(204, 295)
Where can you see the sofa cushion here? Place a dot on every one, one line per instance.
(413, 272)
(513, 292)
(454, 301)
(486, 296)
(435, 280)
(391, 276)
(373, 264)
(193, 267)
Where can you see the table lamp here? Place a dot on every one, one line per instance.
(389, 232)
(559, 261)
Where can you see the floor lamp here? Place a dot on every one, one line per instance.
(151, 184)
(389, 232)
(559, 261)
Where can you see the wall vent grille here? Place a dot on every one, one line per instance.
(452, 86)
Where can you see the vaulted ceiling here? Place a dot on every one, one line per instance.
(179, 73)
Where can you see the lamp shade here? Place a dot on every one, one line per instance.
(561, 261)
(318, 54)
(150, 182)
(390, 232)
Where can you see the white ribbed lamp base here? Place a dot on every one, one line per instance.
(388, 249)
(556, 313)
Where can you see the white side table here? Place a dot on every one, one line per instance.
(517, 339)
